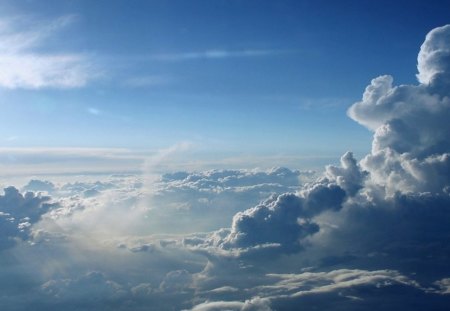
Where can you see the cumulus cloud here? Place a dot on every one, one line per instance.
(24, 67)
(283, 221)
(390, 210)
(349, 176)
(273, 223)
(433, 61)
(18, 212)
(211, 198)
(410, 149)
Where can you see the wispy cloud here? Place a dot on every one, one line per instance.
(24, 67)
(93, 111)
(147, 81)
(216, 54)
(323, 103)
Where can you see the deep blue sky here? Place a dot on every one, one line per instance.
(258, 77)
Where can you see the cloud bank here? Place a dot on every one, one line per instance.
(365, 234)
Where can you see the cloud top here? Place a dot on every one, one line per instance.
(433, 61)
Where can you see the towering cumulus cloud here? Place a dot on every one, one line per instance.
(434, 58)
(410, 150)
(389, 211)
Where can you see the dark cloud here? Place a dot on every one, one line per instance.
(283, 221)
(18, 212)
(275, 222)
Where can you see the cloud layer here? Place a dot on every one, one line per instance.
(363, 235)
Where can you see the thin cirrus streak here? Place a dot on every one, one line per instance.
(217, 54)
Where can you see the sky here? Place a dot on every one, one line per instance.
(224, 155)
(238, 78)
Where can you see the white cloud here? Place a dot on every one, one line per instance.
(24, 67)
(254, 304)
(349, 176)
(33, 71)
(433, 61)
(410, 149)
(212, 197)
(443, 286)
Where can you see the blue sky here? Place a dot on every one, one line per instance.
(251, 77)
